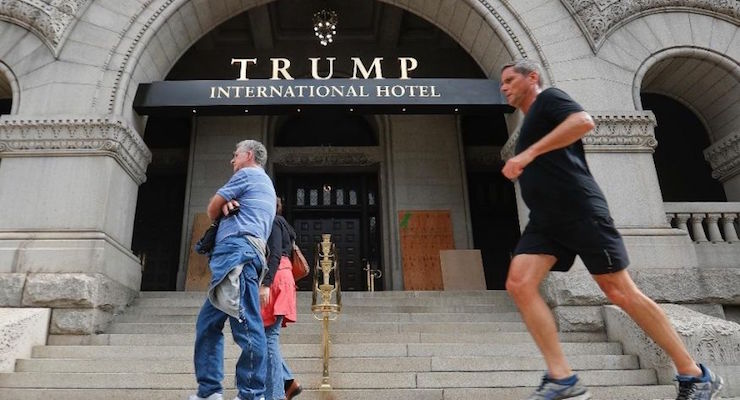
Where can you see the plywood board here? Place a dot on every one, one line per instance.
(462, 270)
(199, 275)
(423, 234)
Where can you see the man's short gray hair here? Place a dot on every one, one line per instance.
(257, 148)
(525, 67)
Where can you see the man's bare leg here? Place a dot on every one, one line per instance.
(526, 272)
(622, 291)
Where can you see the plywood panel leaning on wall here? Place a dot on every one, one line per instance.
(198, 276)
(423, 234)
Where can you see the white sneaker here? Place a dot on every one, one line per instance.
(215, 396)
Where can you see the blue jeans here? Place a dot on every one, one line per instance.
(277, 370)
(249, 334)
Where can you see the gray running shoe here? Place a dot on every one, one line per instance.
(705, 388)
(549, 390)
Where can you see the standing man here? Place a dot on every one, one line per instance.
(569, 216)
(237, 264)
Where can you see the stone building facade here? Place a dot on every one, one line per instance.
(75, 156)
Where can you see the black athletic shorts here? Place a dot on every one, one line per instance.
(595, 239)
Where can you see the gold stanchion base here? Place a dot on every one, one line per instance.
(325, 387)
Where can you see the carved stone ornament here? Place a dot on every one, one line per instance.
(597, 18)
(623, 133)
(326, 156)
(724, 157)
(49, 19)
(76, 137)
(614, 132)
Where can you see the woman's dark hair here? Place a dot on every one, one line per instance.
(279, 209)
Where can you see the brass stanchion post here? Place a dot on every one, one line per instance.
(326, 261)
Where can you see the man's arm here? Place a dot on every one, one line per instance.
(214, 207)
(219, 206)
(566, 133)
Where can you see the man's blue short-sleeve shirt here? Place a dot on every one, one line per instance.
(254, 191)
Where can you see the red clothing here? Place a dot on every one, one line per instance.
(282, 295)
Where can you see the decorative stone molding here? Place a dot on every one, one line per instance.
(49, 19)
(76, 137)
(515, 39)
(619, 133)
(508, 150)
(598, 18)
(622, 133)
(144, 28)
(509, 31)
(326, 156)
(724, 157)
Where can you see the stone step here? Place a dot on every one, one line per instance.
(385, 345)
(287, 336)
(339, 380)
(339, 326)
(397, 294)
(339, 364)
(631, 392)
(346, 310)
(346, 302)
(375, 317)
(337, 350)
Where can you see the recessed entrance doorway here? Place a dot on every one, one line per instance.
(343, 205)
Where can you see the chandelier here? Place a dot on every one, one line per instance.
(325, 25)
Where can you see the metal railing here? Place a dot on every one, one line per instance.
(371, 275)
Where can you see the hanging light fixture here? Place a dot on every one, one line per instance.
(325, 25)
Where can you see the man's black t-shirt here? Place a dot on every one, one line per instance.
(557, 186)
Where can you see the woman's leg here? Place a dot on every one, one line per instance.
(287, 373)
(274, 387)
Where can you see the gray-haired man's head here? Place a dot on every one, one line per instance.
(525, 67)
(257, 148)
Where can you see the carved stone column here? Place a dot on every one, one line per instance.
(68, 191)
(724, 157)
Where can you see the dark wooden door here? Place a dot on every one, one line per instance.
(345, 234)
(343, 205)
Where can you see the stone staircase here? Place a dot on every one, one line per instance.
(386, 345)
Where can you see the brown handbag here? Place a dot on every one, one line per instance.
(300, 265)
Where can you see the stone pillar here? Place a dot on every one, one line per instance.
(68, 192)
(724, 157)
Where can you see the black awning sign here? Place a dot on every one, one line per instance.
(374, 96)
(321, 91)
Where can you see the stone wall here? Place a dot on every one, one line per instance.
(710, 340)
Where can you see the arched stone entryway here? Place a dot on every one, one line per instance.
(707, 83)
(487, 30)
(381, 156)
